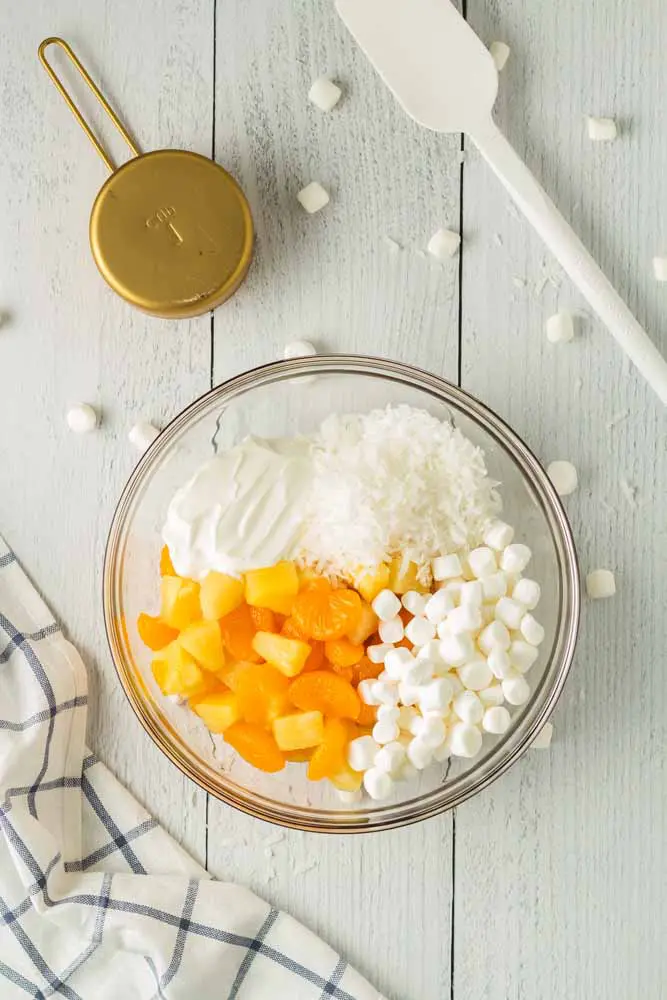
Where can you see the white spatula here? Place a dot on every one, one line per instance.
(445, 78)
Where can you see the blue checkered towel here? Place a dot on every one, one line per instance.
(96, 901)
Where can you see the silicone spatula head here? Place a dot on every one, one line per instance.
(430, 58)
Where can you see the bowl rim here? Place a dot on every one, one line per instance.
(463, 787)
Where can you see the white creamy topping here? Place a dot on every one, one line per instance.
(242, 510)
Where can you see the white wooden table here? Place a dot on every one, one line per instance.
(553, 883)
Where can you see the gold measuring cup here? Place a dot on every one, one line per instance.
(170, 231)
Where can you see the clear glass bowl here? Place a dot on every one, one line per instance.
(292, 397)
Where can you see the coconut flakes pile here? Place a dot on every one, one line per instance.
(396, 480)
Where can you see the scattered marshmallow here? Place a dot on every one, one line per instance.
(522, 655)
(500, 53)
(419, 631)
(407, 717)
(386, 605)
(419, 672)
(600, 583)
(313, 197)
(324, 94)
(527, 592)
(515, 558)
(438, 607)
(498, 535)
(349, 798)
(492, 696)
(465, 740)
(564, 477)
(516, 690)
(531, 630)
(142, 435)
(390, 758)
(466, 618)
(397, 661)
(496, 720)
(378, 783)
(446, 568)
(482, 561)
(660, 268)
(442, 752)
(419, 754)
(499, 663)
(414, 602)
(494, 586)
(476, 675)
(436, 695)
(385, 731)
(430, 729)
(408, 694)
(392, 630)
(543, 739)
(384, 692)
(455, 650)
(468, 707)
(472, 593)
(509, 612)
(377, 653)
(365, 692)
(444, 244)
(361, 753)
(82, 418)
(299, 349)
(560, 328)
(495, 635)
(602, 129)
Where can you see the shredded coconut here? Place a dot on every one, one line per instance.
(396, 480)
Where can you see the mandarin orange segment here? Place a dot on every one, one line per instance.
(256, 746)
(154, 633)
(166, 565)
(326, 692)
(367, 716)
(343, 653)
(298, 756)
(326, 614)
(292, 630)
(316, 659)
(366, 671)
(347, 673)
(261, 691)
(263, 619)
(367, 624)
(329, 758)
(238, 631)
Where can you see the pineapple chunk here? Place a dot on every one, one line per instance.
(204, 641)
(274, 588)
(179, 601)
(369, 585)
(176, 672)
(365, 627)
(220, 595)
(403, 577)
(296, 732)
(287, 655)
(218, 710)
(347, 780)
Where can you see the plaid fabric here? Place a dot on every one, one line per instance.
(96, 901)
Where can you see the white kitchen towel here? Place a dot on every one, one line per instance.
(97, 902)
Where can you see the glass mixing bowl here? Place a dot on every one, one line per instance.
(293, 397)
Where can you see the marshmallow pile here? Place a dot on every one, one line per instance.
(473, 640)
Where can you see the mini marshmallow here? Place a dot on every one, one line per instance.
(378, 784)
(522, 655)
(491, 696)
(446, 567)
(377, 653)
(466, 618)
(431, 730)
(660, 268)
(455, 650)
(349, 798)
(509, 612)
(419, 631)
(408, 694)
(324, 94)
(442, 752)
(500, 53)
(482, 561)
(457, 684)
(419, 672)
(386, 605)
(388, 713)
(384, 692)
(361, 753)
(414, 602)
(496, 720)
(430, 651)
(142, 435)
(419, 754)
(438, 607)
(397, 661)
(527, 592)
(560, 328)
(494, 586)
(498, 535)
(465, 740)
(515, 558)
(390, 758)
(82, 418)
(468, 707)
(602, 129)
(453, 587)
(472, 593)
(531, 630)
(407, 717)
(392, 630)
(564, 477)
(299, 349)
(543, 739)
(516, 690)
(385, 731)
(494, 635)
(365, 692)
(313, 197)
(475, 675)
(600, 583)
(499, 663)
(444, 244)
(436, 695)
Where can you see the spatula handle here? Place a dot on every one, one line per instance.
(574, 257)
